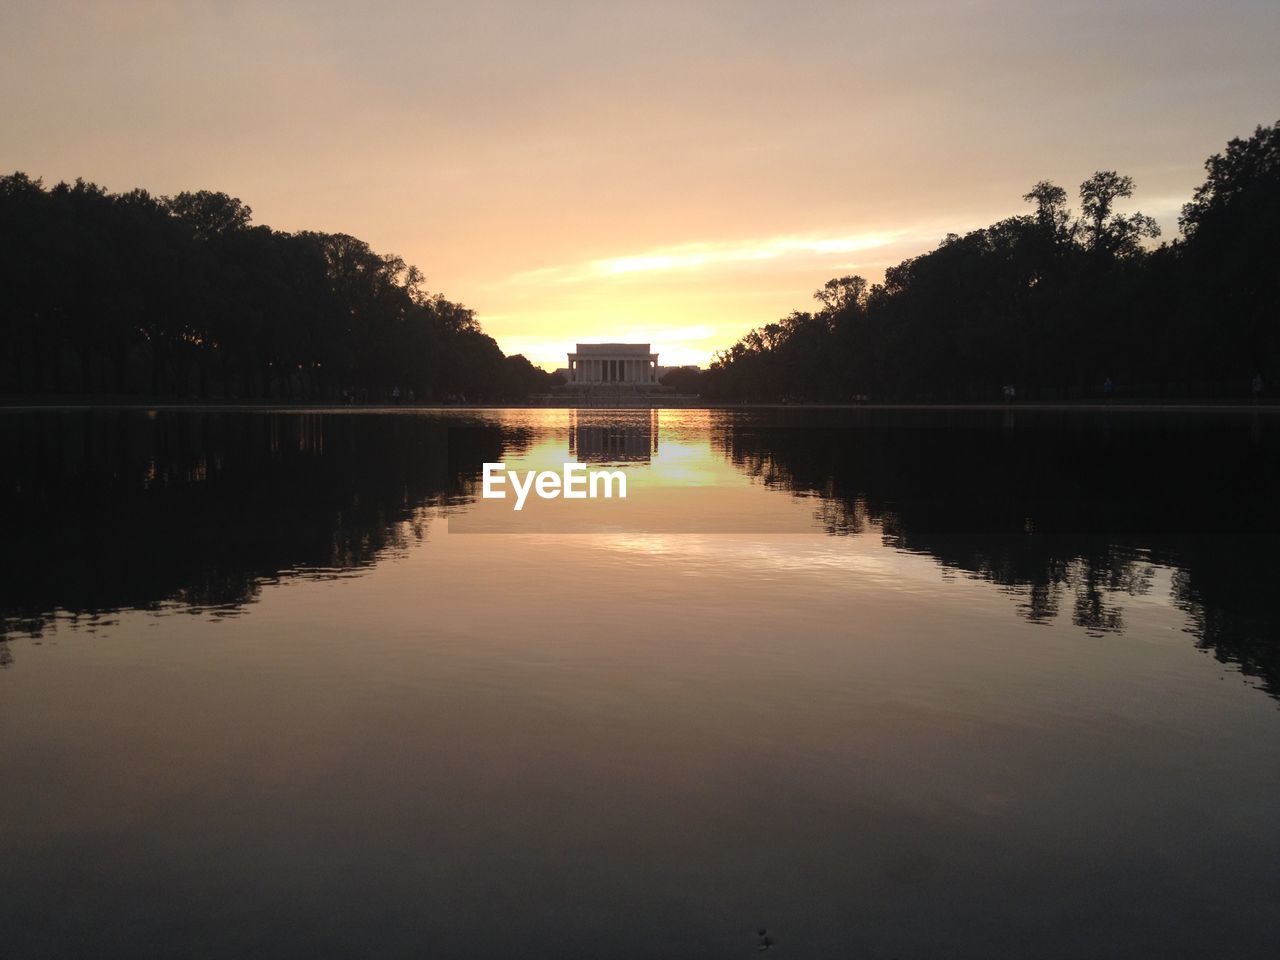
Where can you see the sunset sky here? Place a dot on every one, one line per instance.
(666, 172)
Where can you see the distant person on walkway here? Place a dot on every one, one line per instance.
(1108, 389)
(395, 394)
(1257, 387)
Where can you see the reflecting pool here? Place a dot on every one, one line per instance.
(885, 683)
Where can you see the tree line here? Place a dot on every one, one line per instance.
(132, 294)
(1053, 303)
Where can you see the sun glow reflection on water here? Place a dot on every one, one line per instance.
(808, 669)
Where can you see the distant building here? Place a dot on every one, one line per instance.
(612, 363)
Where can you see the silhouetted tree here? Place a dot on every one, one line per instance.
(683, 380)
(133, 294)
(1106, 231)
(1052, 303)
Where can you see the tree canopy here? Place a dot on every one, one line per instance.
(1053, 302)
(127, 293)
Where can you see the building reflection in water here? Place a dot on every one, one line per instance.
(613, 436)
(114, 510)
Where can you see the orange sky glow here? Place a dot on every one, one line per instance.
(675, 173)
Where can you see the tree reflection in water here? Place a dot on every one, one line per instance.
(1073, 512)
(1069, 510)
(112, 510)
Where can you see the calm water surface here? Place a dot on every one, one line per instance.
(888, 684)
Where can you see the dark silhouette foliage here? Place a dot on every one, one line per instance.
(682, 379)
(1062, 307)
(130, 294)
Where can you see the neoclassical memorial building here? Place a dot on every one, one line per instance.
(625, 364)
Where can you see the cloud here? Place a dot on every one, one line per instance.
(788, 250)
(676, 344)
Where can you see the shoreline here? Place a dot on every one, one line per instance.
(1138, 406)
